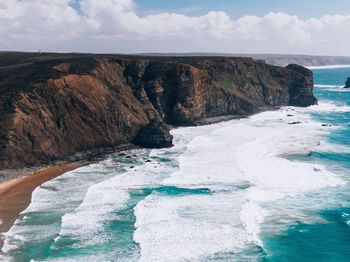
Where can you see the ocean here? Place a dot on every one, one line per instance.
(273, 187)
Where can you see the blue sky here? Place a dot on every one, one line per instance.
(237, 8)
(137, 26)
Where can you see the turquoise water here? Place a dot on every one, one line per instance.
(331, 76)
(330, 239)
(256, 189)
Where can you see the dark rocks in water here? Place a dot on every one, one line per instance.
(347, 83)
(56, 105)
(290, 115)
(294, 123)
(326, 125)
(154, 135)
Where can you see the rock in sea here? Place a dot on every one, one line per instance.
(347, 83)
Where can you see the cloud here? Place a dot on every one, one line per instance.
(115, 26)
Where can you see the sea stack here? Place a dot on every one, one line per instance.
(347, 83)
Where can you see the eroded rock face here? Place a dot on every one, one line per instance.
(52, 107)
(301, 83)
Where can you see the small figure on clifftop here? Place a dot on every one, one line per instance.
(347, 84)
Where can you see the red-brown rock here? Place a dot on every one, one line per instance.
(53, 106)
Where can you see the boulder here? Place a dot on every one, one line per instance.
(154, 135)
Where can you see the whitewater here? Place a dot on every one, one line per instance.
(222, 193)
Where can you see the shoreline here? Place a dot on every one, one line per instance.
(16, 189)
(16, 194)
(17, 186)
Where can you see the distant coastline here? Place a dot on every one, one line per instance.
(328, 67)
(274, 59)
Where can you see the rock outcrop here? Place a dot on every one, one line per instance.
(347, 83)
(53, 106)
(154, 135)
(300, 82)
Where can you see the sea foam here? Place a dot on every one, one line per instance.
(51, 201)
(220, 157)
(212, 193)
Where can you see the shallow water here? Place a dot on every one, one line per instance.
(257, 189)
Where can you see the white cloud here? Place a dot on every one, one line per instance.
(115, 26)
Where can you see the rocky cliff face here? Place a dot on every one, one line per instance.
(54, 106)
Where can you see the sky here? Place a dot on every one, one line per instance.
(315, 27)
(238, 8)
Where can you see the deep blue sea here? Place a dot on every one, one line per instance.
(257, 189)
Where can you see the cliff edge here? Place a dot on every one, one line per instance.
(53, 106)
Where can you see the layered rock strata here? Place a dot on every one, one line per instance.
(54, 106)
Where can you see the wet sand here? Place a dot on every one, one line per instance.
(16, 194)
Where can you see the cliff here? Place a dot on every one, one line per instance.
(53, 106)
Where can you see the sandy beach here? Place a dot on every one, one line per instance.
(15, 195)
